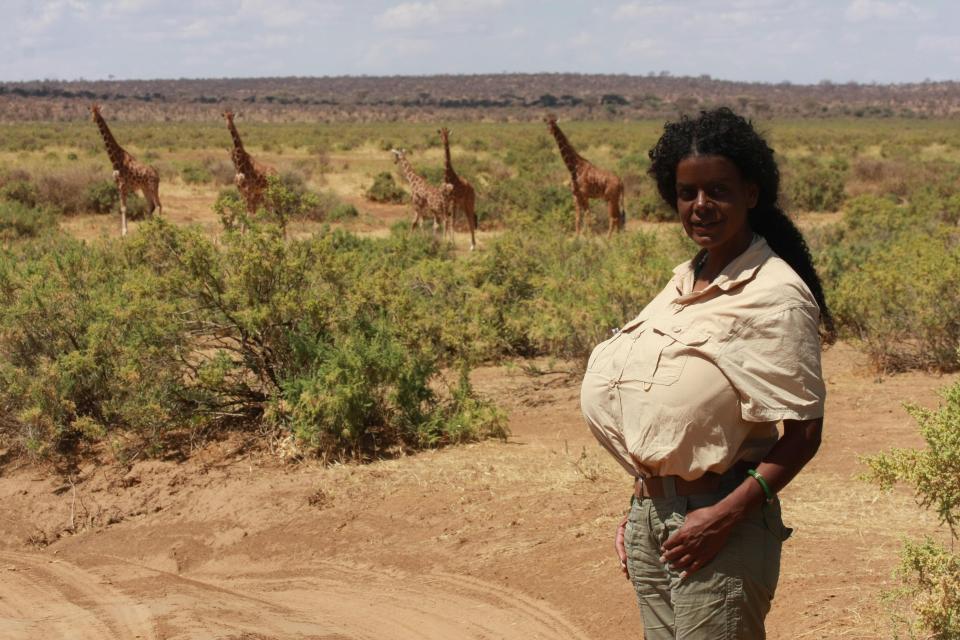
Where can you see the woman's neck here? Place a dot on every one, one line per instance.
(717, 259)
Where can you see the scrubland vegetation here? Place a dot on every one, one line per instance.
(354, 345)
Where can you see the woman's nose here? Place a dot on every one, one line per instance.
(700, 201)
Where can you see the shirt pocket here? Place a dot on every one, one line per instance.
(602, 354)
(660, 351)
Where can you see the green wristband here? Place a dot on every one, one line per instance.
(763, 484)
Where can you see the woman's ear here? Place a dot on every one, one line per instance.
(753, 195)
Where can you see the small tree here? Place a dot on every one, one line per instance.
(930, 570)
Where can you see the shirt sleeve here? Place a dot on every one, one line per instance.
(774, 364)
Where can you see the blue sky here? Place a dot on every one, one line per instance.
(801, 41)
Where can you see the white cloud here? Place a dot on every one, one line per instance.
(864, 10)
(645, 10)
(50, 13)
(582, 39)
(409, 16)
(280, 13)
(382, 55)
(942, 45)
(648, 47)
(196, 30)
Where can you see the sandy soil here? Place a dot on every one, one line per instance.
(491, 540)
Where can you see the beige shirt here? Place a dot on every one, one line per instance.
(699, 379)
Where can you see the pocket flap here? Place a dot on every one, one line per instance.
(690, 335)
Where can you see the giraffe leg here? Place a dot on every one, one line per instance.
(471, 214)
(151, 203)
(448, 224)
(155, 199)
(614, 208)
(123, 211)
(582, 205)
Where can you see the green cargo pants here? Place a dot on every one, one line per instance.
(727, 599)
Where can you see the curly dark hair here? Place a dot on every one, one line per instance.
(723, 133)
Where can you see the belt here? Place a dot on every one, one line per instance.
(669, 486)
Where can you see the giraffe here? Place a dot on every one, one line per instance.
(128, 173)
(427, 199)
(464, 197)
(588, 181)
(251, 177)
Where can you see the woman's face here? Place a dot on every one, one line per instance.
(713, 200)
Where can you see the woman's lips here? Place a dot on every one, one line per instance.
(705, 226)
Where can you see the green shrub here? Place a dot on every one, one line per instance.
(17, 221)
(650, 206)
(812, 185)
(66, 190)
(342, 211)
(930, 571)
(103, 197)
(104, 361)
(903, 302)
(21, 191)
(386, 189)
(193, 173)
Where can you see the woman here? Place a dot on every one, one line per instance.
(687, 395)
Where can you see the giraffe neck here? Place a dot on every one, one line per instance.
(449, 175)
(407, 169)
(240, 156)
(570, 157)
(237, 142)
(114, 150)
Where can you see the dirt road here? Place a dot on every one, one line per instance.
(491, 540)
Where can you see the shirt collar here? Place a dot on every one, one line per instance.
(741, 269)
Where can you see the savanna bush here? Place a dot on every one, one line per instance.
(336, 339)
(87, 347)
(103, 197)
(815, 185)
(19, 221)
(892, 277)
(930, 570)
(386, 189)
(195, 173)
(21, 191)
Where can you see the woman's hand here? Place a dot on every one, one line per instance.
(694, 545)
(620, 546)
(705, 531)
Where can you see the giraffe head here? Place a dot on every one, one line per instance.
(227, 115)
(444, 134)
(550, 119)
(94, 111)
(398, 154)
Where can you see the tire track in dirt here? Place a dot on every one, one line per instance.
(42, 597)
(339, 600)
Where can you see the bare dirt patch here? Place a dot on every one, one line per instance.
(491, 540)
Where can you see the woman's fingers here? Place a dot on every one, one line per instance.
(620, 546)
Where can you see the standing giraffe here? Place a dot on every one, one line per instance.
(129, 174)
(464, 197)
(427, 199)
(588, 181)
(251, 177)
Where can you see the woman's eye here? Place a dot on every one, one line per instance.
(686, 194)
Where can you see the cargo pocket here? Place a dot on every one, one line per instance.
(660, 351)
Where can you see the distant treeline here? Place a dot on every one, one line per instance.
(480, 97)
